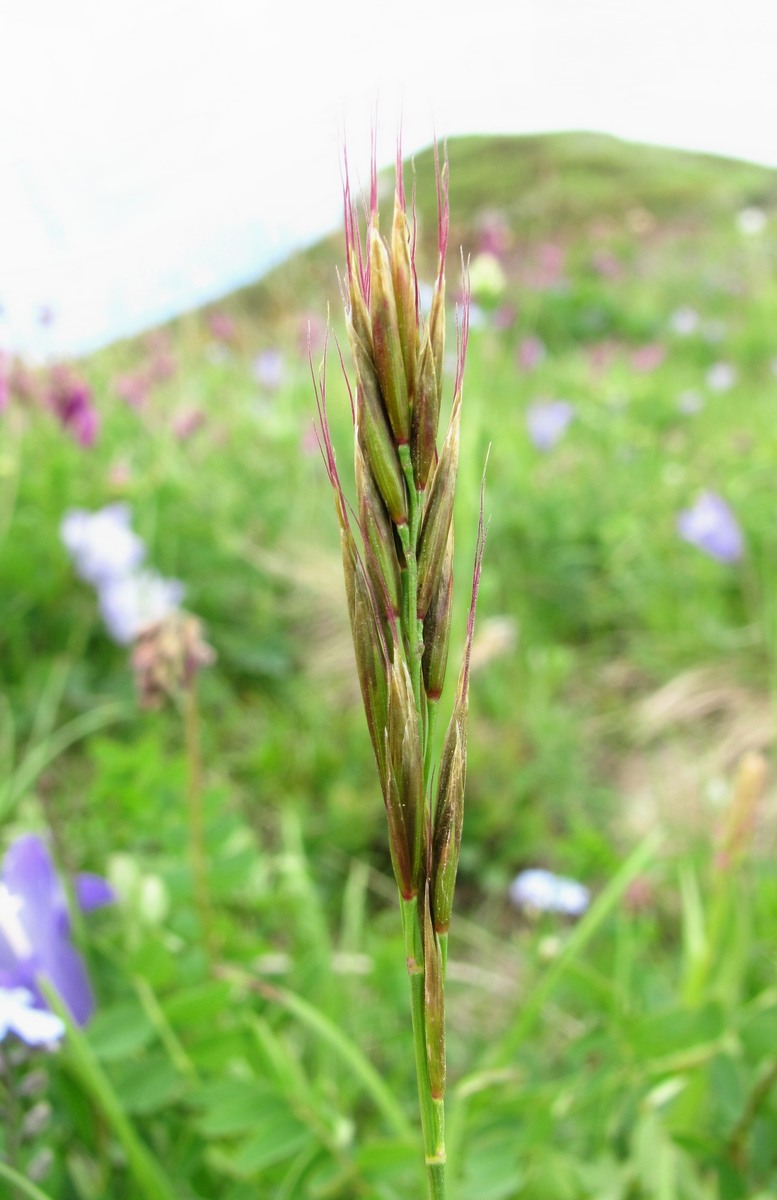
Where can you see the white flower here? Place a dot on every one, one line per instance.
(684, 321)
(486, 277)
(131, 603)
(18, 1015)
(751, 220)
(721, 376)
(546, 892)
(101, 544)
(690, 402)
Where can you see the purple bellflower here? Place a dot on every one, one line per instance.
(711, 525)
(35, 941)
(547, 421)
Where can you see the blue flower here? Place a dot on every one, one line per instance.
(35, 941)
(547, 421)
(101, 543)
(132, 603)
(108, 555)
(545, 892)
(711, 525)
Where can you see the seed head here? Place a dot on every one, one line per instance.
(398, 551)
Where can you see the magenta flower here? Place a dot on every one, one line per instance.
(547, 420)
(531, 352)
(35, 931)
(72, 402)
(711, 525)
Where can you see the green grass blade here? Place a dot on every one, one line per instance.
(348, 1052)
(152, 1182)
(44, 753)
(23, 1186)
(579, 939)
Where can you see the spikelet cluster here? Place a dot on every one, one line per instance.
(397, 544)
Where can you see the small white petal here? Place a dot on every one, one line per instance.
(35, 1026)
(546, 892)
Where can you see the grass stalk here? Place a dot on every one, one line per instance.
(398, 561)
(198, 857)
(432, 1111)
(22, 1186)
(11, 1114)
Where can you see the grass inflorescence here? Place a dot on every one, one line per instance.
(397, 547)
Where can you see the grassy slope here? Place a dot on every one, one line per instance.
(573, 744)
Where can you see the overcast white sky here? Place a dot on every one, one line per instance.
(156, 153)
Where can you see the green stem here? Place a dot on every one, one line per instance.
(347, 1050)
(12, 1140)
(432, 1111)
(737, 1142)
(431, 721)
(196, 809)
(22, 1186)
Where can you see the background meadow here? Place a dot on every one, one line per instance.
(250, 1034)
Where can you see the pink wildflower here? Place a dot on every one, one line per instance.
(186, 422)
(222, 326)
(548, 269)
(531, 352)
(133, 388)
(648, 358)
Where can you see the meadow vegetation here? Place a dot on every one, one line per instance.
(250, 1030)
